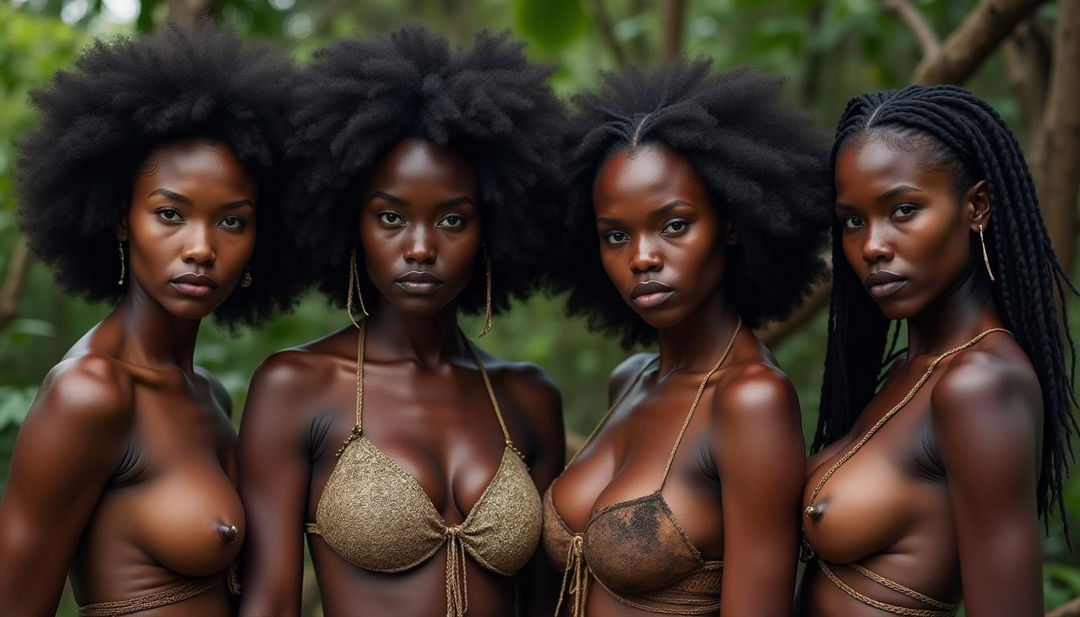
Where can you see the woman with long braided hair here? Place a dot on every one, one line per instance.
(925, 491)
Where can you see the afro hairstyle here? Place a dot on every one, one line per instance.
(765, 167)
(126, 96)
(486, 104)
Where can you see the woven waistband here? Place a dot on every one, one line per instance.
(170, 595)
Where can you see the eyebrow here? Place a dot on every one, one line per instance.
(884, 197)
(167, 194)
(900, 190)
(662, 210)
(447, 203)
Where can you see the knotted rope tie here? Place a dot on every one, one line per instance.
(577, 574)
(457, 595)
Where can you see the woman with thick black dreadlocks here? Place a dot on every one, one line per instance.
(397, 445)
(925, 491)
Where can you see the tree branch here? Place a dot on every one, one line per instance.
(778, 330)
(1055, 155)
(674, 16)
(912, 17)
(1070, 608)
(14, 280)
(1028, 54)
(602, 19)
(985, 27)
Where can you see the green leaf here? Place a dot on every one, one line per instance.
(550, 24)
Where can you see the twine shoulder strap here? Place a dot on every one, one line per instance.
(491, 395)
(357, 430)
(811, 508)
(694, 403)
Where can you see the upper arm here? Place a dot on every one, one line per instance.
(67, 450)
(987, 422)
(275, 466)
(759, 448)
(536, 395)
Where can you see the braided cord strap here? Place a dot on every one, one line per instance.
(170, 595)
(885, 606)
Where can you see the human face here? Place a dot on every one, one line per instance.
(191, 227)
(904, 231)
(661, 239)
(420, 228)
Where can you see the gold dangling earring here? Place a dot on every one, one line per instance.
(123, 265)
(354, 284)
(246, 280)
(489, 320)
(986, 258)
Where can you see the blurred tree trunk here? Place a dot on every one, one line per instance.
(674, 24)
(14, 280)
(187, 13)
(1055, 152)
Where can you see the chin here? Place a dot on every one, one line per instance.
(190, 310)
(897, 310)
(661, 318)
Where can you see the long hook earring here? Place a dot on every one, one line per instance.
(986, 258)
(123, 264)
(489, 320)
(354, 287)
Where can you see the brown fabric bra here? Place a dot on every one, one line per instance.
(635, 549)
(376, 516)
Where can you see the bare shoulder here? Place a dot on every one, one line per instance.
(991, 382)
(88, 392)
(530, 387)
(755, 391)
(623, 375)
(218, 392)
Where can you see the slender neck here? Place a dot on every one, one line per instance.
(695, 344)
(429, 339)
(955, 317)
(151, 335)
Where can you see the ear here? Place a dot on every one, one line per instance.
(122, 228)
(731, 237)
(976, 203)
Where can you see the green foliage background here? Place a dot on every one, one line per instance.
(827, 49)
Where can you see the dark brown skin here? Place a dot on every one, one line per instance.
(942, 499)
(125, 467)
(656, 222)
(425, 406)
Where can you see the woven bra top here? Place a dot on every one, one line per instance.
(927, 606)
(636, 549)
(377, 517)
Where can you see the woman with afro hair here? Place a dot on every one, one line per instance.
(696, 216)
(394, 443)
(933, 463)
(141, 185)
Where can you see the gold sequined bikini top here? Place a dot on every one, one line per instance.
(376, 516)
(636, 549)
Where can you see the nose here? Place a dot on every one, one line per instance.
(199, 246)
(420, 247)
(876, 246)
(645, 258)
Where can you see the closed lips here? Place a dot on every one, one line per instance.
(194, 284)
(419, 282)
(650, 293)
(883, 283)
